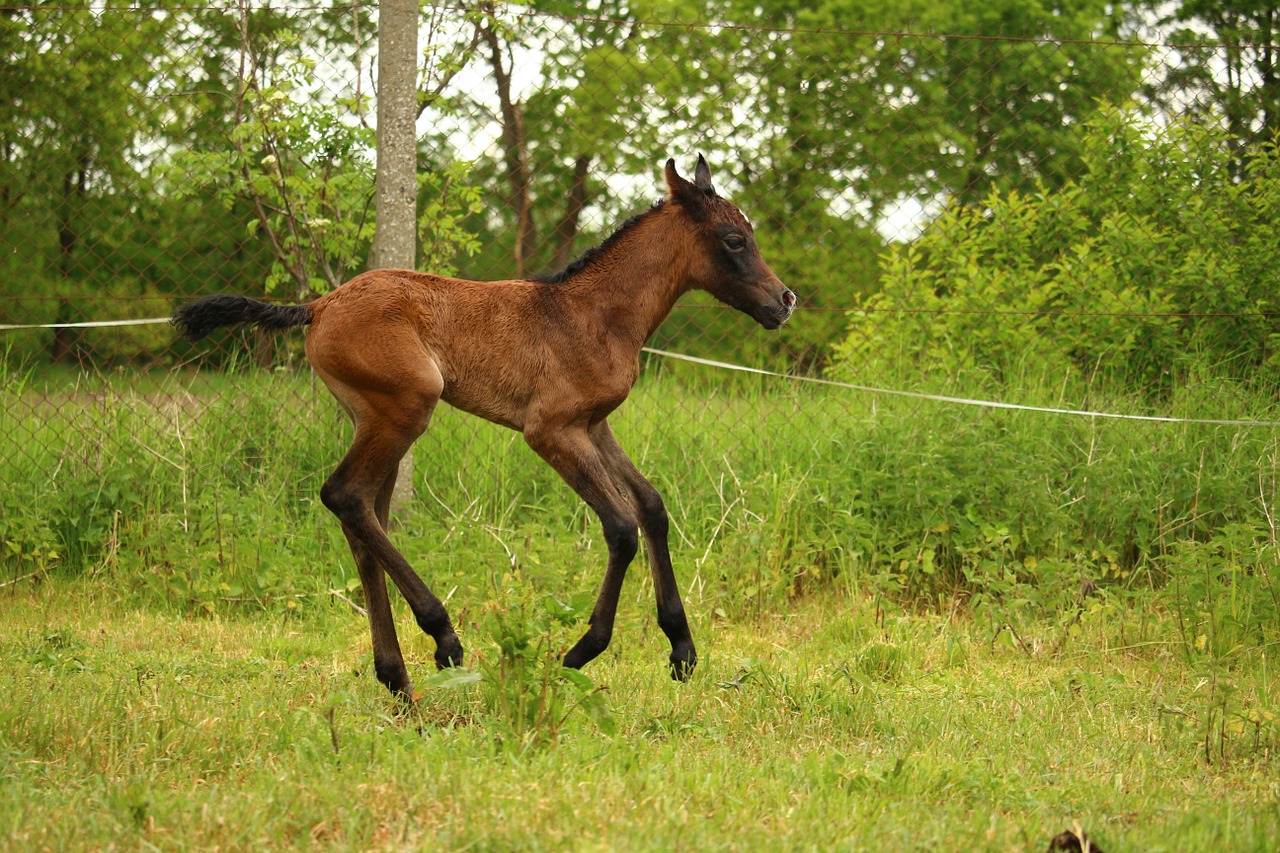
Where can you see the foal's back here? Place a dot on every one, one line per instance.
(497, 347)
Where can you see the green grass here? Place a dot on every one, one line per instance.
(136, 728)
(919, 628)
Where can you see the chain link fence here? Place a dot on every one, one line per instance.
(1089, 198)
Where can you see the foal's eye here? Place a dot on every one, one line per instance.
(735, 242)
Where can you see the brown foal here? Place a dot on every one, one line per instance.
(551, 358)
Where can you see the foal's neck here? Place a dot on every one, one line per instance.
(634, 286)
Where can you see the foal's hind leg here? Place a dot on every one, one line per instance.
(388, 660)
(654, 524)
(387, 423)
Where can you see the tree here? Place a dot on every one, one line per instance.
(1228, 67)
(395, 240)
(604, 91)
(394, 243)
(943, 99)
(74, 111)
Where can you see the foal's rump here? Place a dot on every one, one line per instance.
(365, 335)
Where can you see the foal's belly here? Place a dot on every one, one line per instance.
(496, 408)
(516, 408)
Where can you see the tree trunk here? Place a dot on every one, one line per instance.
(397, 163)
(1267, 70)
(567, 230)
(6, 194)
(66, 341)
(515, 151)
(396, 185)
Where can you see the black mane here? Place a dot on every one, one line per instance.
(591, 255)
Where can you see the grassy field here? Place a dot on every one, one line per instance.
(919, 629)
(830, 725)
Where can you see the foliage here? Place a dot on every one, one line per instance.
(1226, 592)
(1153, 264)
(73, 101)
(1238, 86)
(154, 151)
(526, 693)
(79, 125)
(994, 99)
(201, 497)
(446, 197)
(307, 174)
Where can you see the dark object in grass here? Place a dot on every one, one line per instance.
(1074, 840)
(550, 357)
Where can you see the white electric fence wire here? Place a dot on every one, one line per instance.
(4, 327)
(962, 401)
(724, 365)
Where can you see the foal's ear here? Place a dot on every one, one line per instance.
(702, 176)
(690, 195)
(676, 185)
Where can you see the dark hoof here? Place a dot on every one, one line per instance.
(448, 652)
(395, 678)
(682, 662)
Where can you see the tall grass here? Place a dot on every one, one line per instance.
(206, 495)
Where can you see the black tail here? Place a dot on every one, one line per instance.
(199, 318)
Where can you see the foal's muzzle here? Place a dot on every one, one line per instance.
(775, 308)
(788, 301)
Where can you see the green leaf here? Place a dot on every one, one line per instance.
(453, 678)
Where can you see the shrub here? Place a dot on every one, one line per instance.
(1159, 259)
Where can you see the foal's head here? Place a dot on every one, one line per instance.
(727, 262)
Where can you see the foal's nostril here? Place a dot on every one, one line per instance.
(788, 299)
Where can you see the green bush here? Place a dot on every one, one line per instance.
(1158, 260)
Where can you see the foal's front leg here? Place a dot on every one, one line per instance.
(571, 453)
(654, 524)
